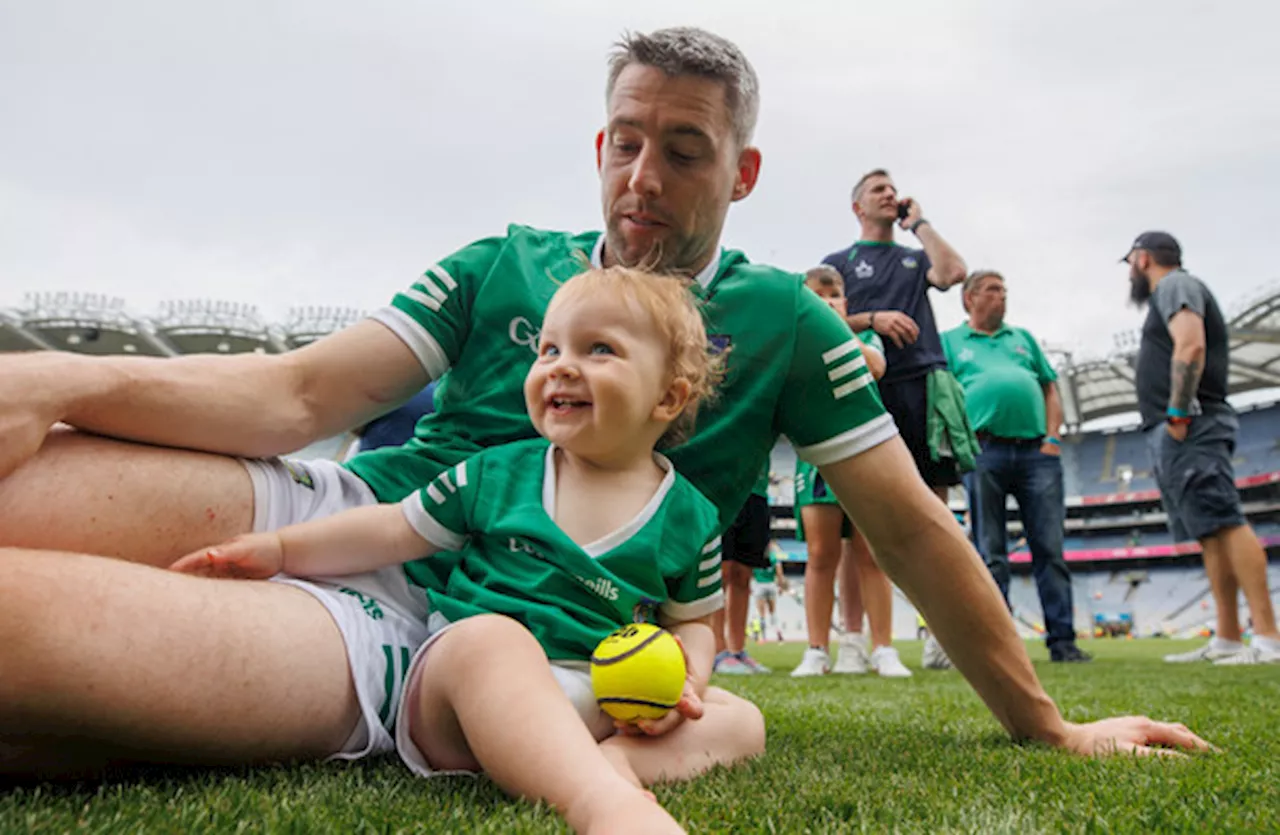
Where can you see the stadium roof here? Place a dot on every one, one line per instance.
(1091, 389)
(1095, 389)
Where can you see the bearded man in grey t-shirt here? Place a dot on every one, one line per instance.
(1191, 434)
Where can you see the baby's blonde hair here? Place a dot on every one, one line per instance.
(677, 319)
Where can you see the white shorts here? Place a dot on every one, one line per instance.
(381, 640)
(574, 681)
(287, 491)
(382, 619)
(766, 591)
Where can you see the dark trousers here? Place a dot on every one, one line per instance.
(1035, 482)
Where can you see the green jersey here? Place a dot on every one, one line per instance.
(1003, 375)
(495, 511)
(761, 487)
(794, 367)
(766, 575)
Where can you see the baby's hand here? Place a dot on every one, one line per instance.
(689, 707)
(255, 556)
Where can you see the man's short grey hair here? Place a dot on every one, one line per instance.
(685, 50)
(972, 279)
(861, 185)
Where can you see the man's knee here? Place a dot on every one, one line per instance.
(736, 576)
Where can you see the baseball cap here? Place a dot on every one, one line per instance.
(1161, 241)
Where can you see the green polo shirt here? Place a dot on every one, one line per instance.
(1003, 375)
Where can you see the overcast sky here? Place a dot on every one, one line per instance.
(324, 152)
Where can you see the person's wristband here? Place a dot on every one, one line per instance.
(1175, 412)
(913, 227)
(1185, 420)
(871, 322)
(1053, 441)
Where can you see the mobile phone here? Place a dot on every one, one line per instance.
(904, 208)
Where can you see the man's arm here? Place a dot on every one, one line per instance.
(948, 268)
(1052, 418)
(251, 404)
(1186, 328)
(920, 546)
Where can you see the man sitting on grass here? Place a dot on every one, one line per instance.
(113, 659)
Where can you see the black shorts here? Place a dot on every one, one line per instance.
(746, 541)
(907, 401)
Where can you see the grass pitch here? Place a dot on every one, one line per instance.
(845, 754)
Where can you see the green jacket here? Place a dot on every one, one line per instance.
(949, 432)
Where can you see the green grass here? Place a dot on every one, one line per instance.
(846, 754)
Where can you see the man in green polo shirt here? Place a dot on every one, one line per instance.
(1013, 406)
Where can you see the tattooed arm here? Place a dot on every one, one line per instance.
(1187, 330)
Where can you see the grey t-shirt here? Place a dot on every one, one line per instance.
(1180, 290)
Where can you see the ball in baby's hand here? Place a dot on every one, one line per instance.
(638, 672)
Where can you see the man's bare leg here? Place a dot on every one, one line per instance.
(877, 591)
(736, 578)
(822, 524)
(852, 612)
(87, 494)
(1248, 560)
(1226, 592)
(105, 661)
(486, 699)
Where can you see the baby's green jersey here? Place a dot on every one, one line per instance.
(495, 511)
(793, 367)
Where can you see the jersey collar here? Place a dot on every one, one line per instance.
(607, 543)
(704, 278)
(970, 333)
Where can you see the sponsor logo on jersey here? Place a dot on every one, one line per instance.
(863, 270)
(966, 355)
(522, 332)
(910, 262)
(601, 586)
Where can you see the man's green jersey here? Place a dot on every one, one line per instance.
(793, 367)
(1003, 375)
(495, 511)
(766, 575)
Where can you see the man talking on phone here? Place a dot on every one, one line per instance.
(886, 286)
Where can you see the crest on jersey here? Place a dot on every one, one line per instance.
(646, 611)
(966, 355)
(1021, 350)
(910, 262)
(863, 270)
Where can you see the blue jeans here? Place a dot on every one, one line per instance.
(1035, 482)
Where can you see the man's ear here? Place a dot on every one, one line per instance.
(748, 172)
(673, 401)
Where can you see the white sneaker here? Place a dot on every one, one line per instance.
(852, 659)
(935, 658)
(815, 662)
(1216, 649)
(1258, 652)
(885, 661)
